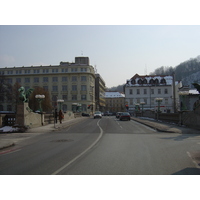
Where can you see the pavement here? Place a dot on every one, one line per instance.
(11, 139)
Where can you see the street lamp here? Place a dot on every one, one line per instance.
(183, 95)
(142, 103)
(159, 100)
(60, 101)
(40, 98)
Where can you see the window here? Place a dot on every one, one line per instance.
(131, 101)
(74, 87)
(36, 80)
(83, 97)
(54, 98)
(64, 97)
(83, 78)
(64, 107)
(74, 97)
(83, 87)
(74, 78)
(145, 101)
(56, 70)
(27, 80)
(45, 79)
(9, 80)
(54, 88)
(166, 91)
(152, 101)
(152, 91)
(166, 101)
(45, 71)
(145, 91)
(45, 88)
(64, 79)
(83, 69)
(74, 70)
(138, 100)
(64, 87)
(163, 81)
(159, 91)
(130, 91)
(27, 71)
(138, 91)
(55, 79)
(64, 70)
(36, 71)
(18, 80)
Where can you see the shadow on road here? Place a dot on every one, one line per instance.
(180, 137)
(188, 171)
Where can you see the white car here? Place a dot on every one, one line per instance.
(97, 114)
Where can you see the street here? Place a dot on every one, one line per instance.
(104, 146)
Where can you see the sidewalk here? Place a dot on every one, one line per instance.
(10, 139)
(165, 127)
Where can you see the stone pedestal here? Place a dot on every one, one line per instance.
(21, 112)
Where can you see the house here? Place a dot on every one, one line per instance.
(152, 92)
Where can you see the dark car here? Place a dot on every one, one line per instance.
(85, 115)
(118, 114)
(125, 116)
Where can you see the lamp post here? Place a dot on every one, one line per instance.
(159, 100)
(40, 98)
(142, 103)
(183, 95)
(60, 101)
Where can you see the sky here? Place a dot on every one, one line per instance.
(117, 49)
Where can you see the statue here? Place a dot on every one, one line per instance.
(24, 95)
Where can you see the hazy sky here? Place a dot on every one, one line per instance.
(117, 51)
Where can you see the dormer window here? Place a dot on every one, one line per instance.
(163, 81)
(133, 81)
(139, 81)
(145, 81)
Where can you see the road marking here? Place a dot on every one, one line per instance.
(196, 164)
(77, 157)
(9, 151)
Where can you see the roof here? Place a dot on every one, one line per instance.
(114, 95)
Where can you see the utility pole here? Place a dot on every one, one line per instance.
(174, 93)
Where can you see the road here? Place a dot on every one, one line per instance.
(104, 146)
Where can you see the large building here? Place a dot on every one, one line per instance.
(115, 102)
(147, 90)
(72, 82)
(100, 88)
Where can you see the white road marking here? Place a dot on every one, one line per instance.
(95, 142)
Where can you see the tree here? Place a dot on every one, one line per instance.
(46, 103)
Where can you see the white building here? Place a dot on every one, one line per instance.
(147, 89)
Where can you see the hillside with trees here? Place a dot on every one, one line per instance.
(188, 72)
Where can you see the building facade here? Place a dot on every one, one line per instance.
(146, 91)
(100, 88)
(115, 102)
(72, 82)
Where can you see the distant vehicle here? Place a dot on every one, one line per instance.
(125, 116)
(107, 113)
(97, 114)
(118, 114)
(85, 115)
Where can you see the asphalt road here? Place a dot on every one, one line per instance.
(105, 146)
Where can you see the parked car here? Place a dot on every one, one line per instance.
(125, 116)
(97, 114)
(85, 115)
(118, 114)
